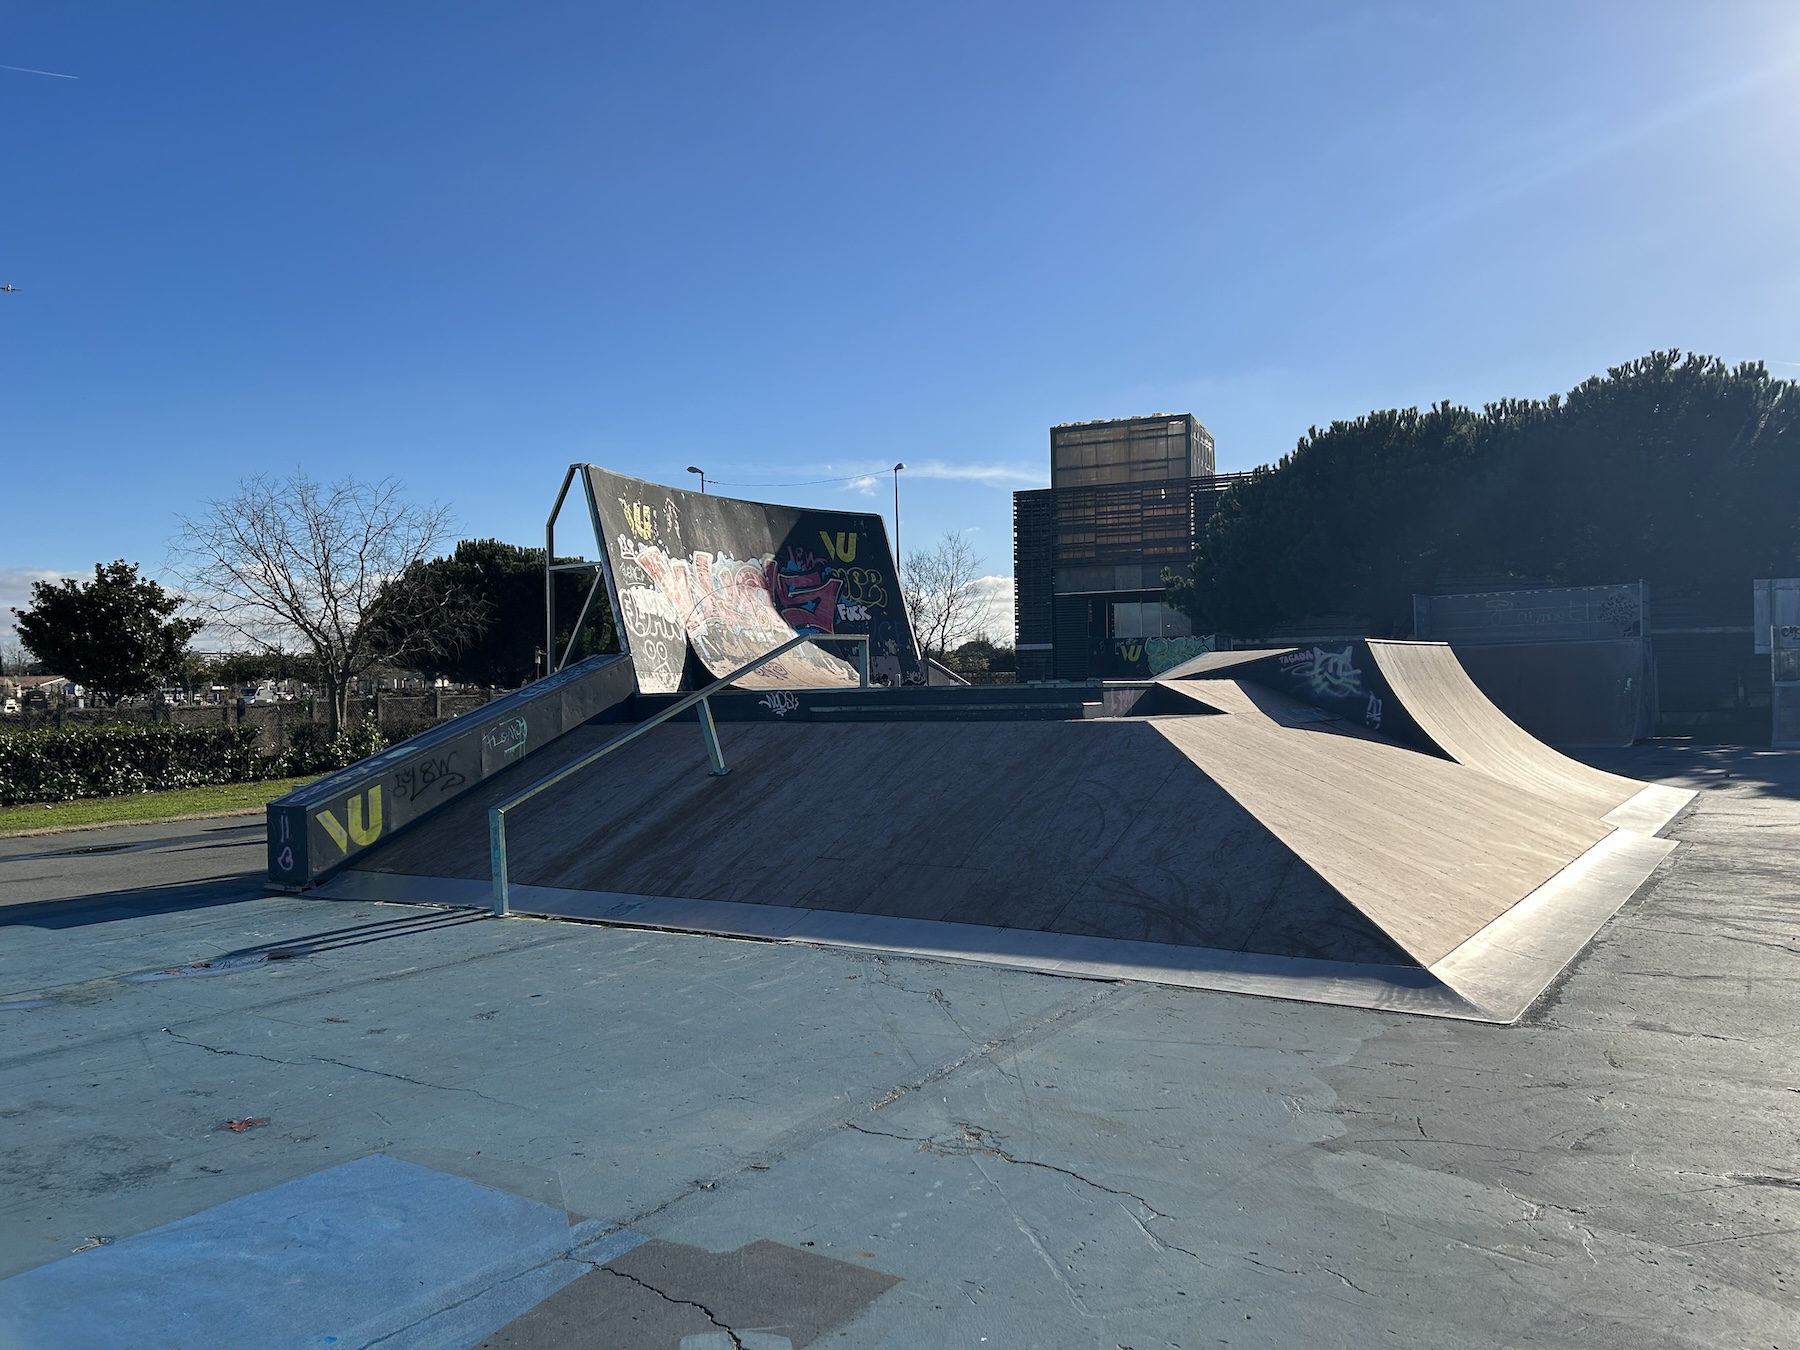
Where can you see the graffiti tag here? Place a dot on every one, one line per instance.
(1326, 674)
(508, 738)
(640, 518)
(354, 826)
(1165, 653)
(437, 772)
(781, 703)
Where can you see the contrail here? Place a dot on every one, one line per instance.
(27, 70)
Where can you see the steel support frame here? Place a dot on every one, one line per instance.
(708, 731)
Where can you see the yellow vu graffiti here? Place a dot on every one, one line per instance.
(354, 826)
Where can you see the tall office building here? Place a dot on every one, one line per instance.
(1126, 499)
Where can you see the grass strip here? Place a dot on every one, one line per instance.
(139, 808)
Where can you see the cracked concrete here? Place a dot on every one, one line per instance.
(701, 1308)
(1038, 1161)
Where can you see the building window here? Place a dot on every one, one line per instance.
(1148, 619)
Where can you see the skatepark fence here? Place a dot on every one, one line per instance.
(708, 732)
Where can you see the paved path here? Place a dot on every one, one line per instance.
(1008, 1156)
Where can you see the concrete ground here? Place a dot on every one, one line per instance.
(763, 1145)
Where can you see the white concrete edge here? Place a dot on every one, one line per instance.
(1401, 989)
(1506, 965)
(1650, 810)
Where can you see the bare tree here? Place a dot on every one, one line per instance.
(294, 562)
(943, 603)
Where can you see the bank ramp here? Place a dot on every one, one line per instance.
(1234, 838)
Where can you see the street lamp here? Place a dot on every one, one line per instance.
(702, 473)
(897, 469)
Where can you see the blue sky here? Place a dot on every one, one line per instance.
(466, 245)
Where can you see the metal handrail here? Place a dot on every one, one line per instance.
(708, 731)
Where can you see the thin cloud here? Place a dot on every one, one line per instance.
(979, 473)
(868, 481)
(53, 74)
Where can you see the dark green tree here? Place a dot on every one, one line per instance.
(1673, 469)
(503, 585)
(116, 635)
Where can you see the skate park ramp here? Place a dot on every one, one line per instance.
(1419, 693)
(1238, 838)
(730, 579)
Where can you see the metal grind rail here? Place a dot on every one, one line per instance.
(708, 732)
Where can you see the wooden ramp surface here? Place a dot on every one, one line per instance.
(1102, 828)
(1253, 843)
(1429, 849)
(1427, 678)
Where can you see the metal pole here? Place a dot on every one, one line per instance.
(497, 860)
(710, 734)
(862, 662)
(698, 699)
(897, 581)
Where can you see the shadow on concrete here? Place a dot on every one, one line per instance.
(357, 935)
(1751, 770)
(108, 906)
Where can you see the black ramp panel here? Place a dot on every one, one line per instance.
(1341, 678)
(321, 825)
(1564, 693)
(732, 579)
(1097, 828)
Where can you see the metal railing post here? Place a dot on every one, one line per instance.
(699, 700)
(497, 860)
(710, 734)
(862, 662)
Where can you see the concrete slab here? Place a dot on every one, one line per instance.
(1039, 1161)
(351, 1255)
(1391, 988)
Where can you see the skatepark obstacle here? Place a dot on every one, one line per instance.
(1355, 824)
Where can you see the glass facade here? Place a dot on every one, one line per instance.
(1159, 449)
(1127, 499)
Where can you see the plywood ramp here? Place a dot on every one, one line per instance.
(1100, 828)
(1427, 678)
(1244, 841)
(1429, 849)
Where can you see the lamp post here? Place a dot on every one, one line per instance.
(897, 469)
(702, 473)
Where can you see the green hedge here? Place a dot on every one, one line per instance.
(109, 761)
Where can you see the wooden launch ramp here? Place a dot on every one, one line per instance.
(1209, 830)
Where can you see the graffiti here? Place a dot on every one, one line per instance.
(508, 738)
(727, 609)
(1326, 674)
(434, 772)
(727, 580)
(864, 586)
(1165, 653)
(362, 832)
(284, 860)
(1372, 713)
(781, 703)
(805, 593)
(640, 518)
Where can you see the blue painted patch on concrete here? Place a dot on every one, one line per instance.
(373, 1250)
